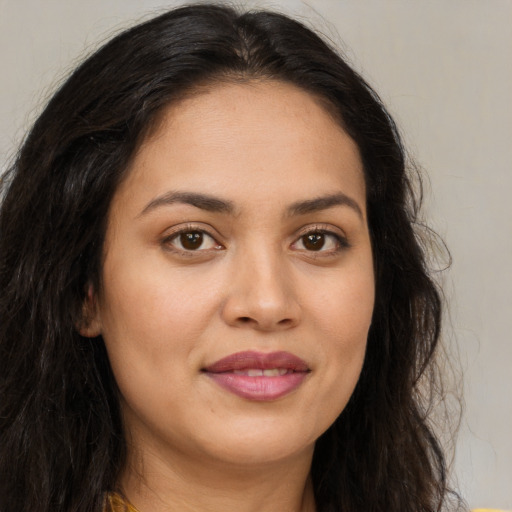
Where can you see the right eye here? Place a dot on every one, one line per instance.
(192, 240)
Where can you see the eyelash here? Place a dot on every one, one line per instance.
(168, 241)
(341, 243)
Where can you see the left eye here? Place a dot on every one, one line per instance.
(193, 241)
(318, 241)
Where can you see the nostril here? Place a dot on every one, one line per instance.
(246, 320)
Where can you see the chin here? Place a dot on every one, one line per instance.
(247, 454)
(261, 442)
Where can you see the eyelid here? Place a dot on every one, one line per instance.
(326, 229)
(185, 227)
(175, 231)
(321, 228)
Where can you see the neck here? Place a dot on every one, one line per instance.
(156, 483)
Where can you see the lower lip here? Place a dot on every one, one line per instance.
(259, 388)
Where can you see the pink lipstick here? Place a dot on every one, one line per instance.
(259, 376)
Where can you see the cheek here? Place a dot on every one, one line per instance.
(153, 297)
(142, 311)
(343, 316)
(343, 304)
(151, 333)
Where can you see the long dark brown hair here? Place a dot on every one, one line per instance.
(61, 436)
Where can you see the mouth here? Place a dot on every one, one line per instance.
(259, 376)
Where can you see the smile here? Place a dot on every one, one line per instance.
(257, 372)
(259, 376)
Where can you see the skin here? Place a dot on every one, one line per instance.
(165, 313)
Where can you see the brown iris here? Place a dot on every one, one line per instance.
(313, 241)
(191, 240)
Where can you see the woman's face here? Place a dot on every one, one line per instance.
(238, 284)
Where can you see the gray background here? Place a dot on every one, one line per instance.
(443, 68)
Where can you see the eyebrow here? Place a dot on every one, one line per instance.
(216, 205)
(202, 201)
(324, 203)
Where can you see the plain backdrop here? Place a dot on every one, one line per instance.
(443, 67)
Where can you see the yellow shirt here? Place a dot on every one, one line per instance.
(114, 503)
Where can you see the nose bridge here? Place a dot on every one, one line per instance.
(267, 270)
(261, 292)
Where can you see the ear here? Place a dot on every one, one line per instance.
(90, 323)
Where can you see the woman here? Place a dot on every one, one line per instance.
(213, 297)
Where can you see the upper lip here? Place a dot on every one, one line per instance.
(258, 360)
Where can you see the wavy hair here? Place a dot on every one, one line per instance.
(62, 444)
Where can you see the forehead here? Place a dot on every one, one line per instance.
(251, 111)
(259, 135)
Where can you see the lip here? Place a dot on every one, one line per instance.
(228, 373)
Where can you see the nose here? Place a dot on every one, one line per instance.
(261, 294)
